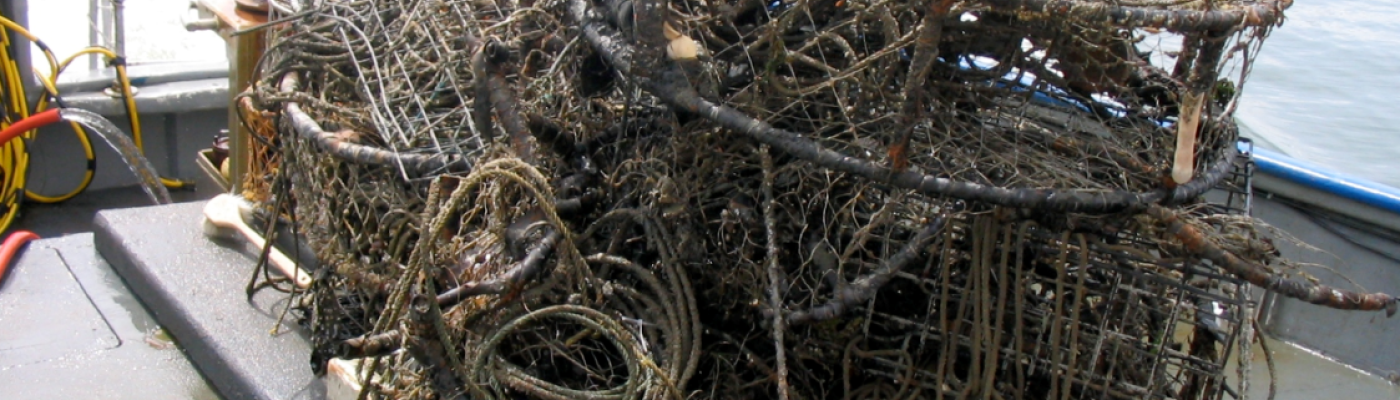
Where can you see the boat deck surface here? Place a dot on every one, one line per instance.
(69, 328)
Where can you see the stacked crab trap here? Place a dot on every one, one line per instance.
(842, 199)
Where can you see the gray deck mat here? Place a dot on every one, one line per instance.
(70, 329)
(194, 288)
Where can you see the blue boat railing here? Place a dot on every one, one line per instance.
(1313, 184)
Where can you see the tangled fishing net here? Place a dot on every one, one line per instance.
(758, 199)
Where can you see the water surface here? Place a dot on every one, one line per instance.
(1324, 88)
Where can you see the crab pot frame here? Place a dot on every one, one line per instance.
(1076, 106)
(1012, 308)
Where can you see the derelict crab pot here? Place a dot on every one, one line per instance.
(621, 199)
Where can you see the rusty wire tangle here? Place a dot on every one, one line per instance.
(851, 199)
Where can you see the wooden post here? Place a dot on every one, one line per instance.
(243, 53)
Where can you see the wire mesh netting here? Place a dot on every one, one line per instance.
(755, 199)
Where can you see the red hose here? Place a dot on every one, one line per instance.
(12, 244)
(17, 239)
(28, 124)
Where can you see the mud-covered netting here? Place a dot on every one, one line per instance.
(792, 199)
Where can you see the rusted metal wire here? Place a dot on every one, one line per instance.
(810, 199)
